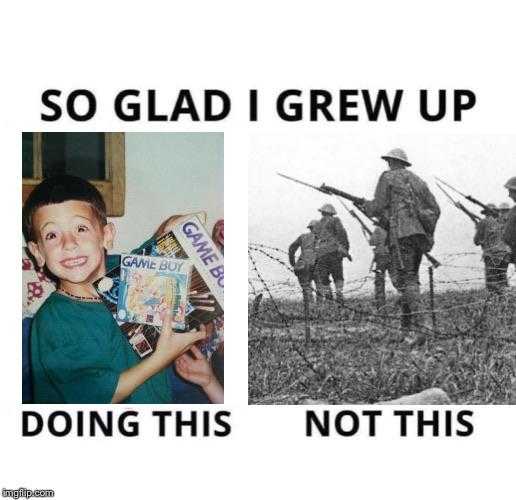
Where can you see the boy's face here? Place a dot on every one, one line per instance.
(71, 242)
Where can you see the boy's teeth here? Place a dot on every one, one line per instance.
(74, 262)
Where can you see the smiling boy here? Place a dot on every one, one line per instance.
(78, 353)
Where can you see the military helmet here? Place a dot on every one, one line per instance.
(490, 208)
(504, 206)
(511, 183)
(397, 154)
(312, 223)
(328, 208)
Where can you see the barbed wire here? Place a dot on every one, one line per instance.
(359, 312)
(481, 278)
(485, 323)
(299, 352)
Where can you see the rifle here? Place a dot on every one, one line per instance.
(368, 233)
(474, 217)
(470, 198)
(328, 190)
(359, 204)
(365, 229)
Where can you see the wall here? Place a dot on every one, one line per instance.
(166, 174)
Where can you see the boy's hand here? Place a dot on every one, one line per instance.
(195, 368)
(171, 345)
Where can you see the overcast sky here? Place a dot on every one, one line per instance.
(279, 210)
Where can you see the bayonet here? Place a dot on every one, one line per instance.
(302, 182)
(470, 198)
(359, 204)
(365, 229)
(474, 217)
(451, 187)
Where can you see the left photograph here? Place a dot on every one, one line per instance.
(122, 268)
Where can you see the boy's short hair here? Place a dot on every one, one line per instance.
(58, 189)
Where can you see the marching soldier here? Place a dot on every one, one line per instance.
(495, 252)
(305, 265)
(509, 234)
(381, 260)
(331, 246)
(404, 204)
(504, 210)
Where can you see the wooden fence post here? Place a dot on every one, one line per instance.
(432, 299)
(306, 301)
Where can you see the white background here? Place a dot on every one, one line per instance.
(109, 47)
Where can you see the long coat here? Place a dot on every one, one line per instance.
(330, 236)
(306, 242)
(404, 204)
(509, 234)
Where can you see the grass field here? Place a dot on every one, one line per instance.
(357, 356)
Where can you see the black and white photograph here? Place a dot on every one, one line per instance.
(381, 269)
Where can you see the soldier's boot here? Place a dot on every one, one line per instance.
(405, 322)
(420, 321)
(323, 292)
(339, 294)
(418, 339)
(379, 289)
(406, 317)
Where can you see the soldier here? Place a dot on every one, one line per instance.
(381, 260)
(504, 210)
(305, 265)
(509, 234)
(404, 204)
(495, 252)
(331, 247)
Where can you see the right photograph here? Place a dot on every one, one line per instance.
(381, 269)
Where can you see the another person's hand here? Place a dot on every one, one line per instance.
(196, 369)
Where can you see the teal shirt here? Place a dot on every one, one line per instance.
(78, 353)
